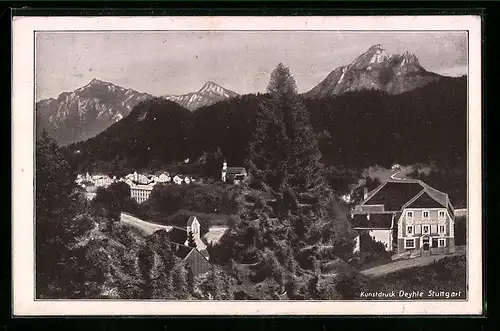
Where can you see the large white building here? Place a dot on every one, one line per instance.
(140, 192)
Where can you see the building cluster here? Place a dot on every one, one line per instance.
(194, 254)
(410, 217)
(141, 185)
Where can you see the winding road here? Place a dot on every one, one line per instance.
(385, 269)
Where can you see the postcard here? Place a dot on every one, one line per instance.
(247, 166)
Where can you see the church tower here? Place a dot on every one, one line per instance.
(224, 168)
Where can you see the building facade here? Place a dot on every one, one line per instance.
(425, 228)
(421, 217)
(140, 193)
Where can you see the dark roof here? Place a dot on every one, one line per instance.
(178, 235)
(424, 200)
(376, 221)
(439, 196)
(181, 251)
(393, 194)
(396, 194)
(236, 170)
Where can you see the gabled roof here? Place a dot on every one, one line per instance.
(423, 200)
(382, 221)
(191, 220)
(394, 195)
(181, 251)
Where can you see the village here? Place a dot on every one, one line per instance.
(412, 220)
(141, 185)
(187, 242)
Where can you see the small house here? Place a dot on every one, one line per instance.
(233, 175)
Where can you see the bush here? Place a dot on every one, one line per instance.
(269, 267)
(204, 198)
(326, 289)
(372, 250)
(306, 257)
(335, 266)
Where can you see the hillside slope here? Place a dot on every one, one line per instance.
(87, 111)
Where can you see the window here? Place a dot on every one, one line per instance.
(442, 243)
(425, 214)
(441, 214)
(441, 229)
(410, 243)
(409, 229)
(425, 229)
(409, 214)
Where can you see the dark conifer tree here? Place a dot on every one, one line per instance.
(55, 202)
(284, 151)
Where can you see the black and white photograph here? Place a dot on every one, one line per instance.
(199, 160)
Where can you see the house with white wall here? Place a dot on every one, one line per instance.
(407, 215)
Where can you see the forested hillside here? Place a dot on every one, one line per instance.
(288, 237)
(355, 130)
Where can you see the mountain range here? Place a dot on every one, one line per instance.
(355, 130)
(84, 113)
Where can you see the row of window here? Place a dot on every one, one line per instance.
(425, 214)
(426, 229)
(410, 243)
(140, 195)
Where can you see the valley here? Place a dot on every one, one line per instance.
(214, 195)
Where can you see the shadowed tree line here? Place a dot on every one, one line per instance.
(354, 131)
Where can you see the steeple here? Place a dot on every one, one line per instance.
(224, 168)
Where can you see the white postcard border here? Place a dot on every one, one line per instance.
(23, 161)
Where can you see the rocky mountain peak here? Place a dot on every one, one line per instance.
(86, 111)
(375, 69)
(211, 86)
(409, 58)
(374, 56)
(207, 95)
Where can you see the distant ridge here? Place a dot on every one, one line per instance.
(209, 94)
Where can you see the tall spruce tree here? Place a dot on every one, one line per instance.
(284, 152)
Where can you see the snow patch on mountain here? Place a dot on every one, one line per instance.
(375, 69)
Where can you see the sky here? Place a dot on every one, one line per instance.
(166, 63)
